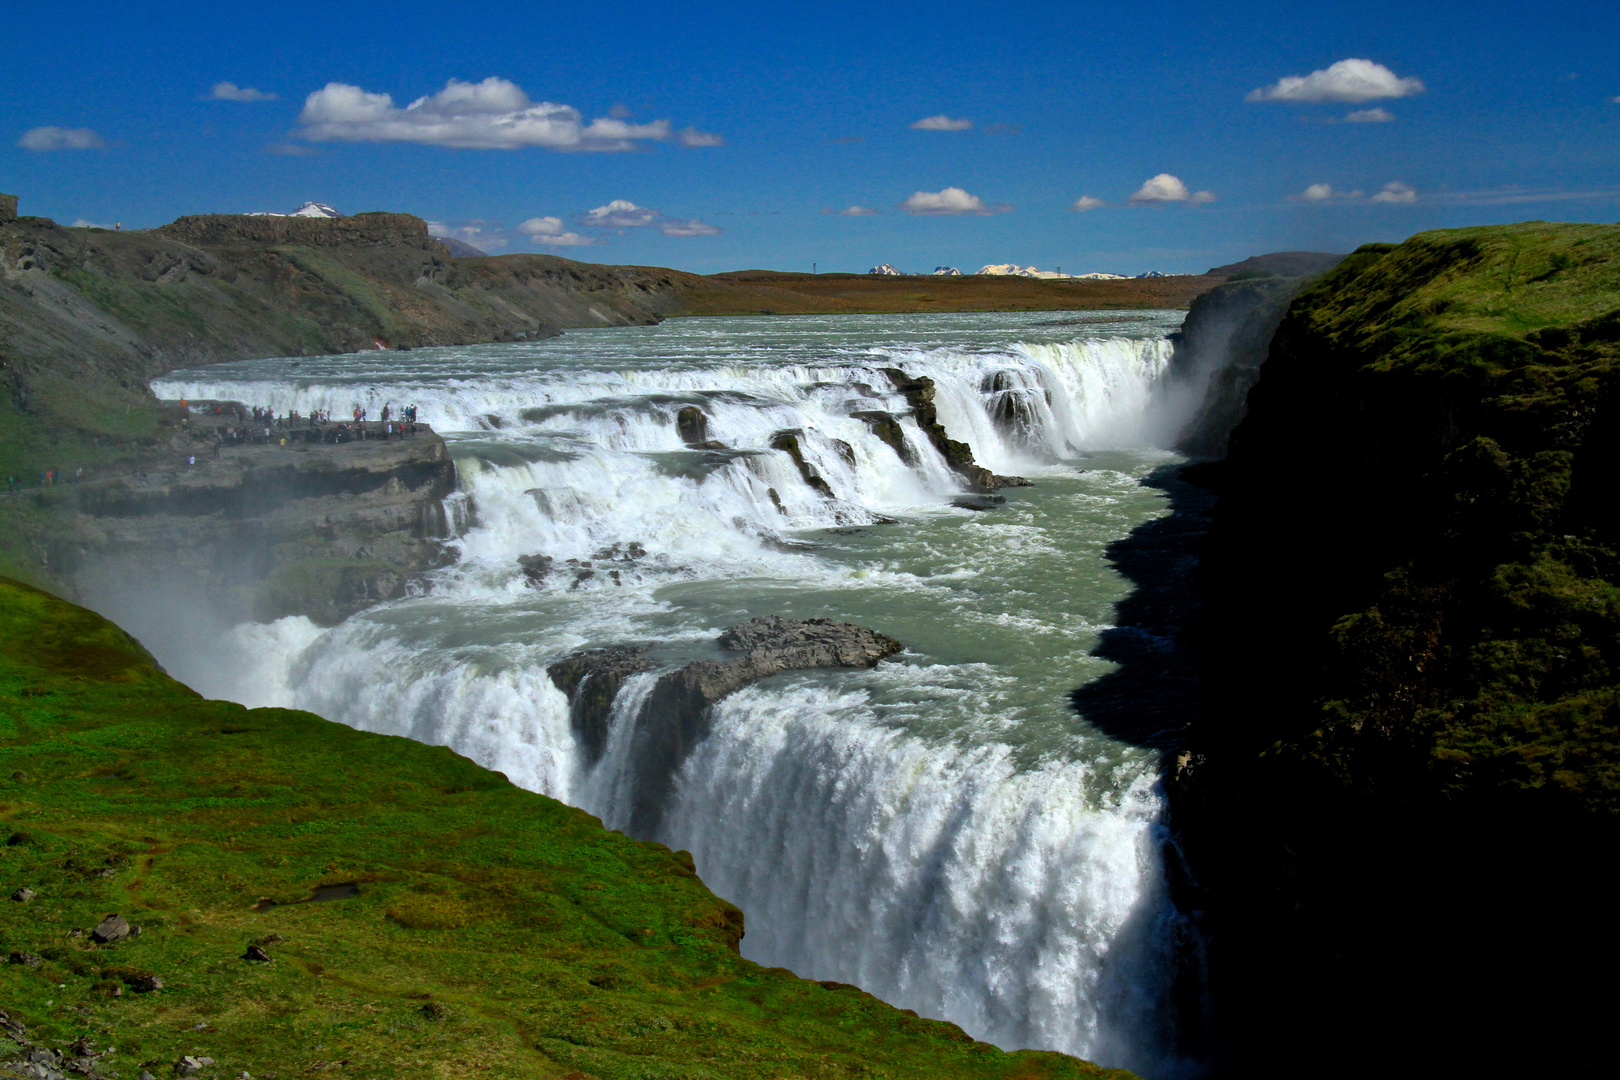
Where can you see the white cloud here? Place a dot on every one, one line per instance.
(692, 137)
(1615, 100)
(941, 123)
(677, 227)
(951, 200)
(1351, 81)
(1086, 202)
(41, 139)
(856, 211)
(491, 115)
(486, 236)
(229, 91)
(1396, 192)
(549, 232)
(1317, 192)
(81, 223)
(1377, 115)
(1165, 188)
(619, 214)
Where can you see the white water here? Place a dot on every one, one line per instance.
(942, 830)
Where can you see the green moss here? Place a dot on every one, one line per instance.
(494, 931)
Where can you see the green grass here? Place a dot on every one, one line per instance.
(495, 932)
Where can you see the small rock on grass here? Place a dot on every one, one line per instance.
(436, 1010)
(27, 959)
(113, 928)
(145, 984)
(188, 1065)
(256, 953)
(24, 894)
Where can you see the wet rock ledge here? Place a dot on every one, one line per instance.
(676, 716)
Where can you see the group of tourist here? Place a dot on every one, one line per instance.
(316, 426)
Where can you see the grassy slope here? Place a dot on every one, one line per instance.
(558, 949)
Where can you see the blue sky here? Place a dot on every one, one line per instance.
(1478, 112)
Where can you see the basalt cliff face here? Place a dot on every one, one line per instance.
(1408, 774)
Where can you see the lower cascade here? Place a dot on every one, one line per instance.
(939, 827)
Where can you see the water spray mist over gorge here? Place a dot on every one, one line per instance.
(942, 829)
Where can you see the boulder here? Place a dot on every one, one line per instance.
(26, 959)
(23, 895)
(113, 928)
(255, 953)
(145, 984)
(692, 425)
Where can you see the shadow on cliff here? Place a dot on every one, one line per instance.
(1154, 694)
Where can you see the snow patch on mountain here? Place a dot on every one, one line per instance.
(885, 268)
(947, 271)
(309, 209)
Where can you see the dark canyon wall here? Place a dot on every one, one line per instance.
(1404, 790)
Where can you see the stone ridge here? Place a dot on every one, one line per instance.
(373, 228)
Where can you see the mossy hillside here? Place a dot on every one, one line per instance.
(495, 932)
(1411, 649)
(1436, 400)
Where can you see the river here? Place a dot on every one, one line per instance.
(944, 830)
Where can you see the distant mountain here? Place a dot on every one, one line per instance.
(885, 268)
(1008, 270)
(1098, 275)
(460, 248)
(1281, 264)
(1152, 273)
(947, 271)
(309, 209)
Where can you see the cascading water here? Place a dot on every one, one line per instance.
(941, 830)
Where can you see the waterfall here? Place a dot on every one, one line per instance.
(941, 830)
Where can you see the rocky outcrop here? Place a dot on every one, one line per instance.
(788, 443)
(919, 394)
(591, 680)
(253, 531)
(676, 715)
(692, 425)
(8, 207)
(887, 428)
(1221, 345)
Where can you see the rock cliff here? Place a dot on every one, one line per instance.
(1411, 753)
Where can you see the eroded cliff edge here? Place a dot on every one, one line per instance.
(1410, 761)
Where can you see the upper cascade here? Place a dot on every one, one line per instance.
(885, 268)
(947, 271)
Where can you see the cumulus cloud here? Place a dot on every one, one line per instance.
(1317, 192)
(549, 232)
(941, 123)
(81, 223)
(951, 200)
(693, 137)
(229, 91)
(491, 115)
(1165, 188)
(619, 214)
(1086, 202)
(1352, 81)
(41, 139)
(486, 236)
(624, 214)
(1378, 115)
(852, 211)
(1396, 192)
(677, 227)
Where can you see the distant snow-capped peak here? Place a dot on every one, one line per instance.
(885, 268)
(1153, 273)
(309, 209)
(947, 271)
(1009, 270)
(314, 209)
